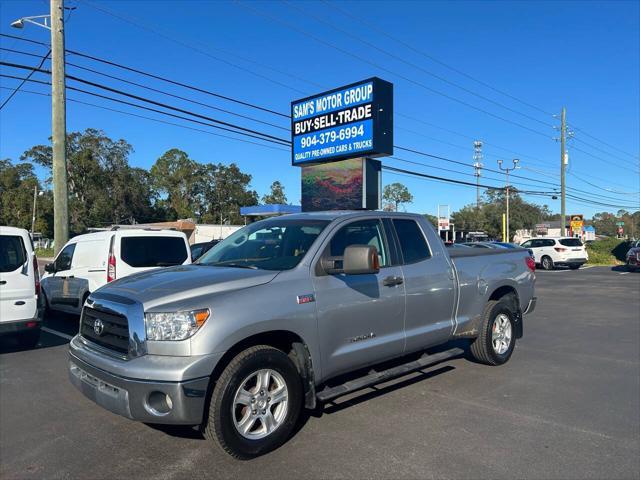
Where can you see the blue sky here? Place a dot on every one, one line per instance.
(583, 55)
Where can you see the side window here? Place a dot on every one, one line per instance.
(536, 243)
(12, 253)
(364, 232)
(549, 243)
(63, 262)
(412, 243)
(527, 244)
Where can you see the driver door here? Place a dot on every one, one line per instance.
(58, 287)
(360, 317)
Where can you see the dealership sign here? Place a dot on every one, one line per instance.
(348, 122)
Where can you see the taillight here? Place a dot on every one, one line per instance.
(111, 264)
(36, 275)
(560, 249)
(531, 263)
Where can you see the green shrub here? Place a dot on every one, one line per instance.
(607, 251)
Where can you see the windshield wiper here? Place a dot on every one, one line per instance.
(231, 264)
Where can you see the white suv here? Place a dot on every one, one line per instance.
(19, 287)
(92, 260)
(552, 251)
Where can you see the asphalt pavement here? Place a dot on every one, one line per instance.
(567, 405)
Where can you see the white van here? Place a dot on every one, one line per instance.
(89, 261)
(19, 287)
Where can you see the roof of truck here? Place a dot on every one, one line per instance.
(334, 214)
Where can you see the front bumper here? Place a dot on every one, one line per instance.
(138, 399)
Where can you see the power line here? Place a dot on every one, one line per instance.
(151, 110)
(163, 79)
(414, 65)
(602, 141)
(102, 107)
(184, 44)
(604, 151)
(385, 33)
(390, 71)
(203, 52)
(601, 159)
(44, 59)
(153, 102)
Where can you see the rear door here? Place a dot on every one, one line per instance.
(142, 252)
(17, 285)
(429, 287)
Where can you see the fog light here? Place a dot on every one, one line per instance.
(159, 403)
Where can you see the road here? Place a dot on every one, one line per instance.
(567, 405)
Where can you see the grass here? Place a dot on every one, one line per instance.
(607, 251)
(44, 252)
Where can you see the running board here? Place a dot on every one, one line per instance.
(384, 375)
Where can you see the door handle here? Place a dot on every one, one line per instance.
(3, 282)
(392, 281)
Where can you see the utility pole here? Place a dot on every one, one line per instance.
(33, 217)
(59, 127)
(477, 165)
(507, 170)
(563, 165)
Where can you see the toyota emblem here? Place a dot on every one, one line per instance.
(98, 327)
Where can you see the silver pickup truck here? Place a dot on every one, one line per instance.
(288, 313)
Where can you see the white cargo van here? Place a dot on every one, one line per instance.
(19, 287)
(89, 261)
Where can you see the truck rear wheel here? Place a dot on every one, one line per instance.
(496, 341)
(255, 403)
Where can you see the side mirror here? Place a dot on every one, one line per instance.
(50, 268)
(360, 259)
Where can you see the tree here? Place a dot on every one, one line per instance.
(396, 194)
(179, 181)
(488, 217)
(432, 218)
(227, 189)
(103, 188)
(17, 183)
(276, 196)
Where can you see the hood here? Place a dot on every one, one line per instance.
(175, 284)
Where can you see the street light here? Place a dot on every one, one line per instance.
(507, 170)
(36, 194)
(54, 22)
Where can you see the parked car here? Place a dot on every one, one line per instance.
(550, 252)
(89, 261)
(19, 287)
(511, 245)
(633, 257)
(199, 249)
(265, 323)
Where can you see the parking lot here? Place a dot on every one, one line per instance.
(567, 405)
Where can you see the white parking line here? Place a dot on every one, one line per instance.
(55, 332)
(624, 273)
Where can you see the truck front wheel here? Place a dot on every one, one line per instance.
(496, 341)
(255, 403)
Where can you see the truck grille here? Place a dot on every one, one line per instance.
(114, 331)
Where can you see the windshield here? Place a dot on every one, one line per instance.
(274, 244)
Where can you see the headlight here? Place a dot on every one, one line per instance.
(175, 325)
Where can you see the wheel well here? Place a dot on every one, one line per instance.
(514, 301)
(504, 291)
(286, 341)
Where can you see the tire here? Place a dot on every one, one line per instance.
(574, 266)
(482, 348)
(30, 338)
(225, 413)
(547, 263)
